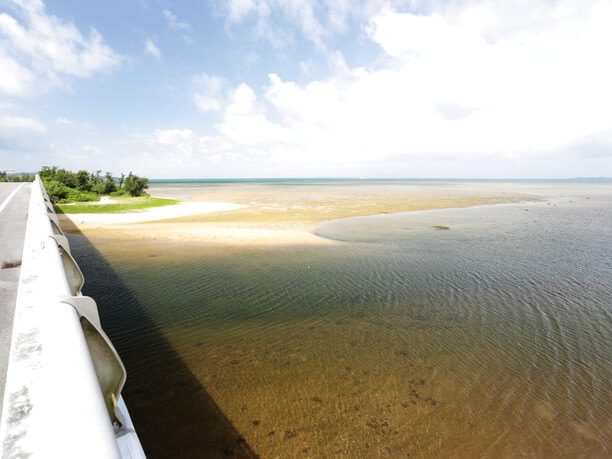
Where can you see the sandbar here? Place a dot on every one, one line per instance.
(202, 232)
(146, 225)
(252, 215)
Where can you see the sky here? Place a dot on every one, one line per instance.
(308, 88)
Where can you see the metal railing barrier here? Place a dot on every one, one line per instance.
(64, 380)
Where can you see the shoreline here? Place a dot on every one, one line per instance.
(201, 232)
(254, 215)
(165, 223)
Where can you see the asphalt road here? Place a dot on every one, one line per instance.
(13, 218)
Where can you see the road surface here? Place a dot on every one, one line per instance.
(14, 201)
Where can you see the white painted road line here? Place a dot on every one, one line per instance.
(10, 196)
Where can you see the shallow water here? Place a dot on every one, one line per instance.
(487, 339)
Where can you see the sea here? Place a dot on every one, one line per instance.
(404, 339)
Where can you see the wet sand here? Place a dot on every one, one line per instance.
(251, 215)
(233, 234)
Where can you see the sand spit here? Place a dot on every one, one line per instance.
(182, 209)
(148, 224)
(199, 232)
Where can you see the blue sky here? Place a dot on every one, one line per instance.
(308, 88)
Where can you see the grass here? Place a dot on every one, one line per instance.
(123, 205)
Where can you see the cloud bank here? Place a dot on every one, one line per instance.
(457, 88)
(471, 81)
(38, 48)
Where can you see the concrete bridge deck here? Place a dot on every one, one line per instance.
(14, 200)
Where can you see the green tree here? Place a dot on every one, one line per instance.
(109, 183)
(23, 177)
(48, 173)
(82, 179)
(66, 186)
(56, 190)
(135, 185)
(66, 177)
(95, 178)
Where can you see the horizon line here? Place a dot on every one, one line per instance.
(384, 178)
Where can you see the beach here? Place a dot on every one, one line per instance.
(250, 214)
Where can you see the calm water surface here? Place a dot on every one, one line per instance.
(488, 339)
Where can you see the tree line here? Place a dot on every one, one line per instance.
(6, 177)
(66, 186)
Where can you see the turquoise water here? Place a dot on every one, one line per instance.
(491, 338)
(300, 182)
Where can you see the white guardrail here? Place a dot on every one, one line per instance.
(63, 386)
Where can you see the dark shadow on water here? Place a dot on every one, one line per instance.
(173, 414)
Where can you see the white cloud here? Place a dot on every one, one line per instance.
(174, 23)
(245, 123)
(210, 96)
(15, 79)
(180, 146)
(21, 123)
(151, 50)
(37, 47)
(523, 86)
(315, 20)
(177, 25)
(311, 17)
(61, 121)
(238, 10)
(467, 83)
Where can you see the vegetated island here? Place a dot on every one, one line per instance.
(96, 193)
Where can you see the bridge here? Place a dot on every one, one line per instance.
(60, 376)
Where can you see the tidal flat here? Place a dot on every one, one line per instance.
(286, 211)
(487, 339)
